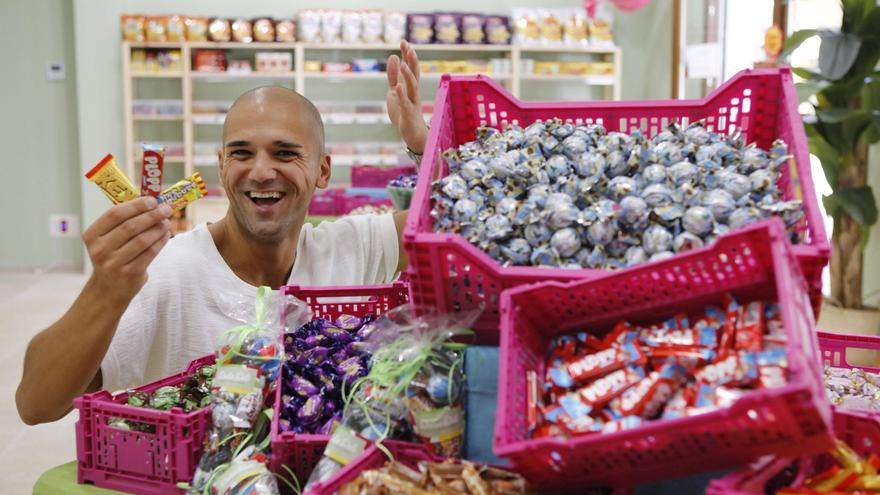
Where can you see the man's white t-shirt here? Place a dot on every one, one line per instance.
(176, 316)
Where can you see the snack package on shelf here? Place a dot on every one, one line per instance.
(551, 27)
(242, 31)
(352, 26)
(420, 28)
(394, 27)
(132, 27)
(264, 30)
(249, 360)
(527, 26)
(175, 28)
(447, 28)
(600, 26)
(309, 26)
(220, 30)
(412, 392)
(575, 27)
(285, 31)
(331, 26)
(497, 29)
(196, 28)
(373, 26)
(472, 29)
(155, 28)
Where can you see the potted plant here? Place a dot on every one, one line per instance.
(845, 94)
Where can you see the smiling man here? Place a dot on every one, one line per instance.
(152, 304)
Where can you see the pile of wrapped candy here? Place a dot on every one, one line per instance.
(849, 473)
(406, 181)
(463, 478)
(194, 393)
(401, 190)
(853, 388)
(322, 357)
(575, 196)
(680, 367)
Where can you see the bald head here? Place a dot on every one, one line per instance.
(274, 100)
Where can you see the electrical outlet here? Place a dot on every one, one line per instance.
(63, 225)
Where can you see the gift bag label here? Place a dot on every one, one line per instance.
(236, 474)
(345, 445)
(237, 379)
(440, 424)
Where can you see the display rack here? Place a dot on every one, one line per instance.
(306, 82)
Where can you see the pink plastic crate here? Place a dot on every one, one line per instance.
(300, 452)
(833, 347)
(373, 176)
(409, 454)
(350, 202)
(329, 203)
(754, 263)
(860, 430)
(450, 274)
(138, 462)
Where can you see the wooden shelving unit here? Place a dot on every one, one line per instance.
(302, 81)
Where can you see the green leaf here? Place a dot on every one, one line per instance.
(870, 24)
(807, 89)
(854, 11)
(866, 61)
(836, 115)
(854, 126)
(857, 202)
(827, 155)
(842, 127)
(807, 74)
(837, 53)
(795, 40)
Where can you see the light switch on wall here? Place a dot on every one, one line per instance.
(55, 71)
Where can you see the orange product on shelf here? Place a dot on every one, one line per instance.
(544, 67)
(242, 31)
(285, 31)
(156, 28)
(196, 28)
(209, 61)
(175, 28)
(264, 30)
(219, 30)
(132, 27)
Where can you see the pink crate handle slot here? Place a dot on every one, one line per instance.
(833, 348)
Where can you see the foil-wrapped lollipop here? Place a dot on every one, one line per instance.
(657, 195)
(502, 166)
(557, 166)
(602, 231)
(737, 185)
(507, 207)
(635, 255)
(684, 172)
(744, 216)
(474, 169)
(497, 227)
(544, 256)
(617, 164)
(654, 174)
(656, 239)
(454, 186)
(686, 241)
(517, 251)
(574, 146)
(698, 220)
(621, 186)
(591, 165)
(634, 213)
(566, 242)
(762, 180)
(537, 233)
(720, 203)
(464, 210)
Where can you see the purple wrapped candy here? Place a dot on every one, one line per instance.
(327, 427)
(656, 239)
(685, 242)
(311, 410)
(698, 220)
(302, 386)
(336, 334)
(348, 322)
(327, 384)
(315, 340)
(319, 354)
(363, 333)
(566, 242)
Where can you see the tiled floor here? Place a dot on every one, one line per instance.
(29, 303)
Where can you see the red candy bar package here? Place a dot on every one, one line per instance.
(151, 169)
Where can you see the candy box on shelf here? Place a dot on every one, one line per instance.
(139, 461)
(450, 274)
(301, 452)
(752, 264)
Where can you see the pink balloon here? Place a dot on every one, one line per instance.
(630, 5)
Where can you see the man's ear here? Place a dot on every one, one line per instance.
(323, 172)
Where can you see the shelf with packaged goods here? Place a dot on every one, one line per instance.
(589, 80)
(157, 118)
(233, 76)
(236, 45)
(364, 159)
(418, 47)
(381, 75)
(208, 118)
(604, 50)
(156, 74)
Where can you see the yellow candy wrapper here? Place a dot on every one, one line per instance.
(112, 181)
(184, 193)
